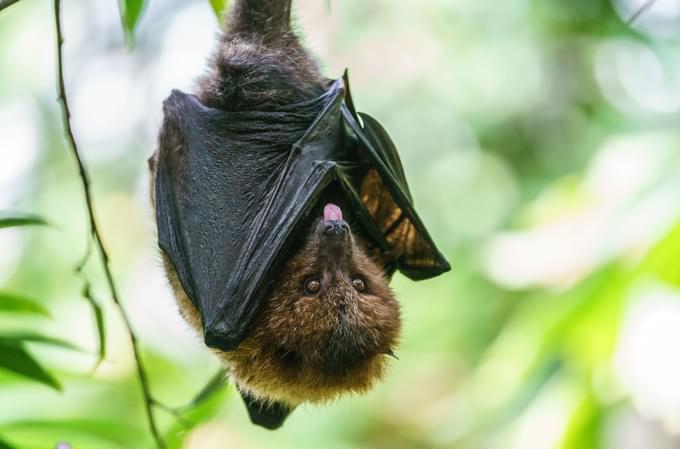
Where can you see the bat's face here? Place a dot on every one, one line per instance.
(328, 323)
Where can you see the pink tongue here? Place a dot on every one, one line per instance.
(331, 212)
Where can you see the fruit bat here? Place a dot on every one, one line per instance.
(267, 167)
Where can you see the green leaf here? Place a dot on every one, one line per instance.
(662, 258)
(20, 337)
(99, 319)
(219, 6)
(204, 410)
(14, 358)
(5, 445)
(10, 302)
(584, 427)
(130, 11)
(216, 383)
(10, 220)
(116, 432)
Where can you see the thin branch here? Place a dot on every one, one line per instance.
(7, 3)
(642, 10)
(214, 384)
(175, 413)
(95, 233)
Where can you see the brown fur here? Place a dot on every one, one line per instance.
(312, 348)
(299, 347)
(259, 62)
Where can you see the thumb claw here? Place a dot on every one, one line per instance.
(391, 354)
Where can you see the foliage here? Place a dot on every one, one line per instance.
(14, 355)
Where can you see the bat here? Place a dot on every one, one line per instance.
(282, 214)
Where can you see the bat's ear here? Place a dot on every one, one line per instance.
(153, 162)
(269, 415)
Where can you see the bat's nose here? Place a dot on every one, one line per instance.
(335, 228)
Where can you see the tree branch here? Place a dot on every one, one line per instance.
(7, 3)
(642, 10)
(94, 232)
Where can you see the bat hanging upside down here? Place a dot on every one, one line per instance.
(282, 214)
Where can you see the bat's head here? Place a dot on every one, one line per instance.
(327, 325)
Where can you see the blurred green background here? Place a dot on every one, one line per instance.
(541, 141)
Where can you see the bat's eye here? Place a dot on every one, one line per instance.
(359, 284)
(312, 286)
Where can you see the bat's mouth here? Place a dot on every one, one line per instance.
(290, 359)
(341, 363)
(334, 233)
(332, 213)
(332, 360)
(333, 226)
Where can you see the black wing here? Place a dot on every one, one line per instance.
(232, 190)
(385, 194)
(227, 202)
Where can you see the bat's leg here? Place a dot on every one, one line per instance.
(268, 415)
